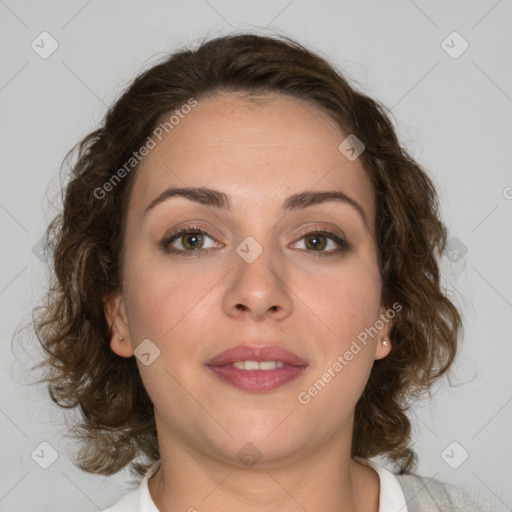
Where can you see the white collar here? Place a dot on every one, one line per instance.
(391, 496)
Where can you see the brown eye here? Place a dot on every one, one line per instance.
(188, 240)
(192, 241)
(317, 241)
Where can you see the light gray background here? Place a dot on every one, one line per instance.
(452, 113)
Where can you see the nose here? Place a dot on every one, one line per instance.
(258, 287)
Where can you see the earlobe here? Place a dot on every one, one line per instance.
(384, 345)
(115, 315)
(383, 348)
(121, 346)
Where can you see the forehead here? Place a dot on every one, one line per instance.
(258, 151)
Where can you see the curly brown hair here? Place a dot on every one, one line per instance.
(116, 422)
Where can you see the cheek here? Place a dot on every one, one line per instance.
(348, 308)
(345, 301)
(149, 296)
(161, 296)
(162, 306)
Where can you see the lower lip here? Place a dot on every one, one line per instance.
(257, 381)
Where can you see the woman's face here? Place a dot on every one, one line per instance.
(264, 277)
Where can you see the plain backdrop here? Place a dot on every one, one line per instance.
(442, 67)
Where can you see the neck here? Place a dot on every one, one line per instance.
(327, 480)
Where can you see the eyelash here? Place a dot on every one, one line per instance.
(343, 245)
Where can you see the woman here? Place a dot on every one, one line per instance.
(246, 294)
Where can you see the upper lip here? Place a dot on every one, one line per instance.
(251, 352)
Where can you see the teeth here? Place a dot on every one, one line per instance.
(255, 365)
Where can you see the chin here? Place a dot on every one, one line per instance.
(261, 453)
(265, 437)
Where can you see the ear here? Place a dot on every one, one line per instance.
(381, 349)
(115, 315)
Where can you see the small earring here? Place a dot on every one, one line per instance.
(385, 342)
(121, 338)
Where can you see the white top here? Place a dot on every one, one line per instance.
(391, 496)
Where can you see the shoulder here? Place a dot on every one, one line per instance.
(138, 499)
(128, 503)
(431, 495)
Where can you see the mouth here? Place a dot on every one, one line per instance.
(257, 369)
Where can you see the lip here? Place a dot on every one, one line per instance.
(258, 353)
(257, 381)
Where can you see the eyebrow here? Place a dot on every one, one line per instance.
(217, 199)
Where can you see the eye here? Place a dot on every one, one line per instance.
(191, 239)
(318, 240)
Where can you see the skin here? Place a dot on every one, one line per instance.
(194, 306)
